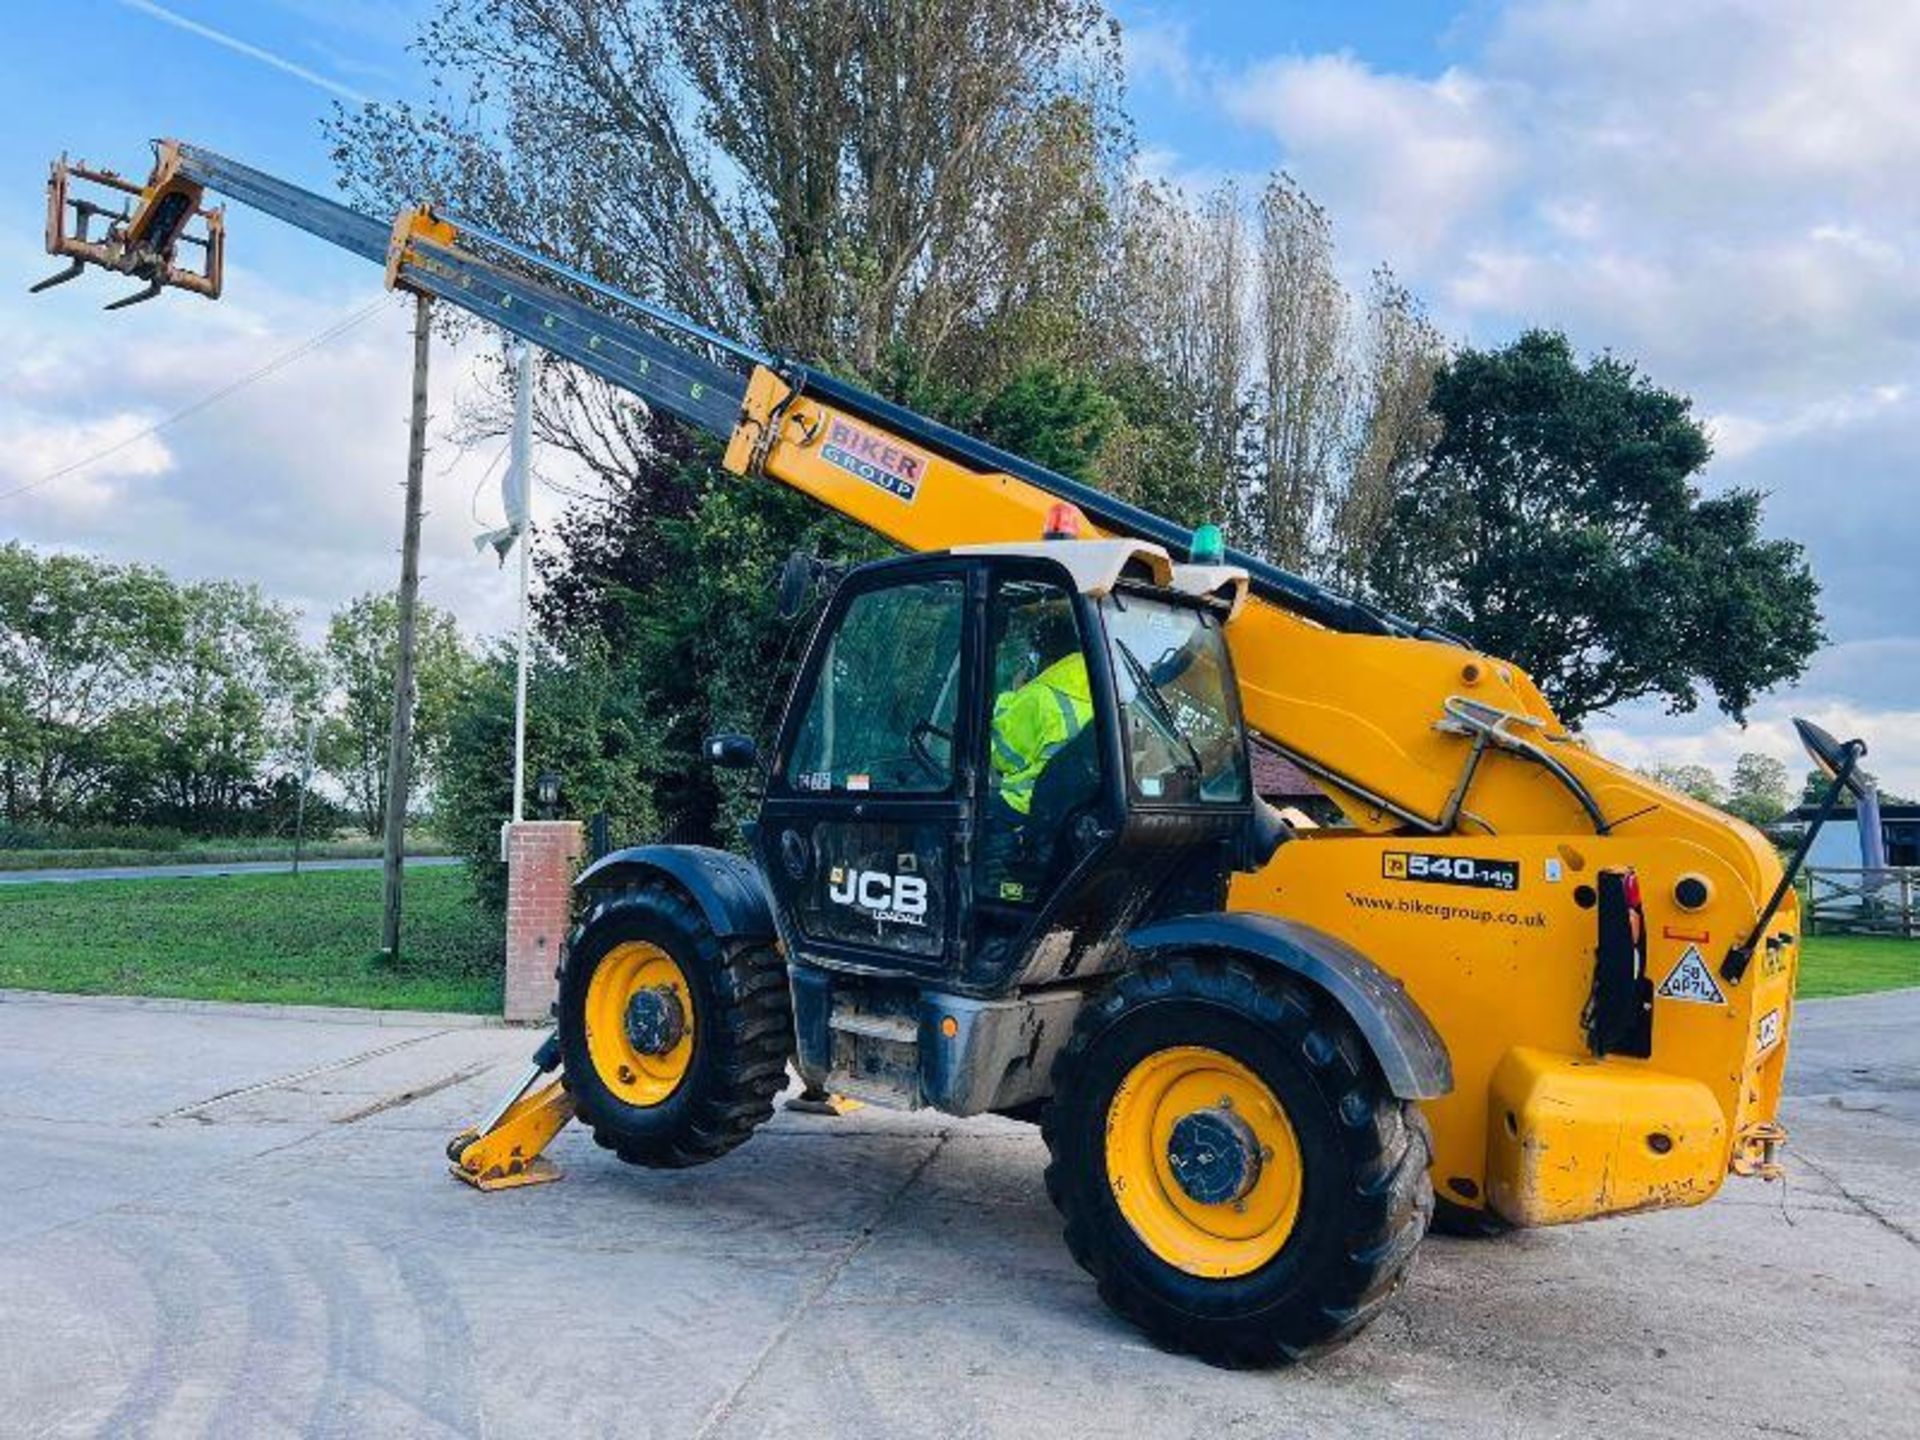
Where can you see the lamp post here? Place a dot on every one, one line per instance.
(546, 791)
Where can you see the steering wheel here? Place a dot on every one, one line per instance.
(917, 743)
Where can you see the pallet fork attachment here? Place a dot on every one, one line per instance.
(145, 230)
(503, 1151)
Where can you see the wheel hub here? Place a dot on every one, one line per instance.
(656, 1021)
(1215, 1156)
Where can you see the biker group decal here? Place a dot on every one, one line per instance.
(873, 458)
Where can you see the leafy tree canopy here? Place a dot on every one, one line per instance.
(128, 697)
(584, 723)
(1761, 790)
(361, 651)
(1556, 523)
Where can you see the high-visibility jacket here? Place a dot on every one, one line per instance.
(1032, 724)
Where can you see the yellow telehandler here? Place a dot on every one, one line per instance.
(1009, 859)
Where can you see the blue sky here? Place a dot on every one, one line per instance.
(1719, 190)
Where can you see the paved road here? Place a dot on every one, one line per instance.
(233, 1222)
(187, 872)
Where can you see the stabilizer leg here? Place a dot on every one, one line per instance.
(504, 1150)
(818, 1100)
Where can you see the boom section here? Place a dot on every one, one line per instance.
(541, 301)
(423, 252)
(672, 363)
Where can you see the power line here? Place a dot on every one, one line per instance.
(278, 362)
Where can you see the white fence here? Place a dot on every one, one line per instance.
(1862, 902)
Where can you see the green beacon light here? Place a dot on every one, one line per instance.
(1207, 548)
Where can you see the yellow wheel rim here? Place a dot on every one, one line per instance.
(634, 1075)
(1234, 1233)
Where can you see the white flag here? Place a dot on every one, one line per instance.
(516, 484)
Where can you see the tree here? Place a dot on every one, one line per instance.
(915, 195)
(1556, 524)
(221, 706)
(827, 179)
(1762, 789)
(1254, 390)
(584, 722)
(1301, 390)
(1695, 780)
(80, 640)
(1173, 307)
(1814, 789)
(129, 698)
(361, 649)
(1392, 430)
(669, 584)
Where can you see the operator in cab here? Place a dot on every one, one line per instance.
(1034, 722)
(1039, 772)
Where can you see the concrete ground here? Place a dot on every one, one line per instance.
(230, 1220)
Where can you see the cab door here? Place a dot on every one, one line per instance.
(870, 795)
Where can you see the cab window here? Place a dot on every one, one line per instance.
(1180, 716)
(1042, 760)
(881, 716)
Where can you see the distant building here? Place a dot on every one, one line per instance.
(1838, 843)
(1279, 781)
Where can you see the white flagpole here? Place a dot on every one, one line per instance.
(522, 460)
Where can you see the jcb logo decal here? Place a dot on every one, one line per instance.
(896, 897)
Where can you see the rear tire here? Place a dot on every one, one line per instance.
(700, 1097)
(1349, 1158)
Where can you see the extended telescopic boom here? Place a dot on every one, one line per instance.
(672, 363)
(1316, 682)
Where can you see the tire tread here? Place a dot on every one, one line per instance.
(1388, 1195)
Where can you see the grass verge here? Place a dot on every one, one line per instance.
(209, 852)
(1856, 965)
(314, 941)
(311, 940)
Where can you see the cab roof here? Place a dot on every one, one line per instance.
(1097, 566)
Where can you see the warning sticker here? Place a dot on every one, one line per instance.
(1767, 1035)
(1691, 980)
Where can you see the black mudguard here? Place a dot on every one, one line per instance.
(726, 887)
(1409, 1051)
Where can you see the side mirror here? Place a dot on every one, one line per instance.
(732, 752)
(796, 579)
(1832, 756)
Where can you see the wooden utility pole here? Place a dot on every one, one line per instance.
(399, 747)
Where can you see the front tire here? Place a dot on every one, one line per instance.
(673, 1041)
(1231, 1167)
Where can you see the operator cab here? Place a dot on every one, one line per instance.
(998, 760)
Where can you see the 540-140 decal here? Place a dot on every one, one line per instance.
(1469, 870)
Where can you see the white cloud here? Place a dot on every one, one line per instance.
(1403, 162)
(293, 482)
(34, 447)
(1737, 436)
(1159, 51)
(1892, 736)
(1718, 191)
(1862, 689)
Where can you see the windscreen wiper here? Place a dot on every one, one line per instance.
(1160, 708)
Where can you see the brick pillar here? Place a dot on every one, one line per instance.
(541, 857)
